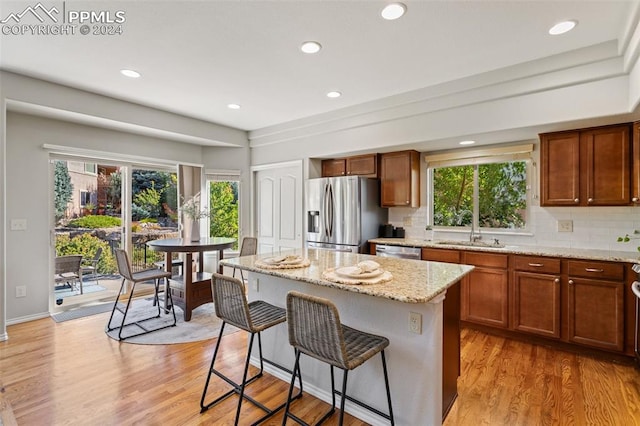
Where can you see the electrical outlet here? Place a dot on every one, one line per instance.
(415, 322)
(21, 291)
(565, 226)
(255, 284)
(18, 224)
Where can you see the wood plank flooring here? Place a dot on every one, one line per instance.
(71, 373)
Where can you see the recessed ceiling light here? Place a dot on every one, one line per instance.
(562, 27)
(233, 106)
(393, 11)
(467, 142)
(310, 47)
(334, 94)
(130, 73)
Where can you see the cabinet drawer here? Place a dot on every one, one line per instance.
(543, 265)
(486, 259)
(595, 269)
(439, 255)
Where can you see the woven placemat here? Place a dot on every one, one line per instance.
(302, 264)
(331, 275)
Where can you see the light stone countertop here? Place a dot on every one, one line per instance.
(565, 252)
(414, 281)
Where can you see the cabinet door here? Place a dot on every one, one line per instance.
(484, 298)
(596, 313)
(536, 304)
(364, 165)
(399, 183)
(441, 255)
(560, 174)
(635, 194)
(608, 165)
(333, 167)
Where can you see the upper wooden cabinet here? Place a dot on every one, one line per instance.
(361, 165)
(635, 193)
(590, 167)
(400, 179)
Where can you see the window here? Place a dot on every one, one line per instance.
(486, 192)
(90, 168)
(85, 198)
(224, 196)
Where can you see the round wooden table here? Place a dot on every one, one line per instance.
(191, 289)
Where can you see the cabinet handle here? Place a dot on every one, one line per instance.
(557, 280)
(635, 199)
(590, 200)
(571, 282)
(536, 265)
(594, 270)
(577, 200)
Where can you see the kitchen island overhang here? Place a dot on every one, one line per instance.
(414, 360)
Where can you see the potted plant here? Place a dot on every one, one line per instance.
(627, 238)
(88, 209)
(191, 209)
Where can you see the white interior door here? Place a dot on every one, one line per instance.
(278, 208)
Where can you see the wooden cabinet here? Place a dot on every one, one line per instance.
(441, 255)
(400, 179)
(535, 296)
(590, 167)
(635, 193)
(361, 165)
(484, 298)
(596, 304)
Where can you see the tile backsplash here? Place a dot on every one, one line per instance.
(593, 227)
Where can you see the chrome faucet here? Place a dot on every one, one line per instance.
(474, 236)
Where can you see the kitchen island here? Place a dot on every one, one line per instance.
(415, 360)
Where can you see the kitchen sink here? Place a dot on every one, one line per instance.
(471, 243)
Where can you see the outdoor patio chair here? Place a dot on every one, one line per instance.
(148, 276)
(90, 266)
(68, 271)
(249, 247)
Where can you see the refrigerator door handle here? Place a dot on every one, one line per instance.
(324, 210)
(331, 210)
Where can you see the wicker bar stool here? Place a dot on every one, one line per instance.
(154, 275)
(249, 247)
(315, 330)
(231, 307)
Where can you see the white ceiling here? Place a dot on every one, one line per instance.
(198, 56)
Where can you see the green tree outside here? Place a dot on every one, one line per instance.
(224, 209)
(502, 191)
(63, 188)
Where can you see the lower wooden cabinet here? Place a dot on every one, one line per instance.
(596, 313)
(485, 290)
(535, 305)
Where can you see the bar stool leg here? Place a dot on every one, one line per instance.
(386, 383)
(343, 399)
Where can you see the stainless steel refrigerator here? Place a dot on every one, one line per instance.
(343, 213)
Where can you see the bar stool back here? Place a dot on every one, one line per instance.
(153, 275)
(249, 247)
(315, 330)
(230, 301)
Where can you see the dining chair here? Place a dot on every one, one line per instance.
(315, 330)
(249, 247)
(90, 267)
(148, 276)
(231, 306)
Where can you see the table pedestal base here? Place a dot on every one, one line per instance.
(198, 292)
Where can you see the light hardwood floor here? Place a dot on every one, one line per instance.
(72, 374)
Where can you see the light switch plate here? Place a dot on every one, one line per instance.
(565, 226)
(18, 224)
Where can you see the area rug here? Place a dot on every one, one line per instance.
(204, 325)
(82, 312)
(64, 290)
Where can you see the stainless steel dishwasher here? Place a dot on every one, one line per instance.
(398, 251)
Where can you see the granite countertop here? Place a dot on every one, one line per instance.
(414, 281)
(565, 252)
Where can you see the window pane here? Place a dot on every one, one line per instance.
(503, 195)
(224, 209)
(453, 196)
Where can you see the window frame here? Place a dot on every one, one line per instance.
(435, 162)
